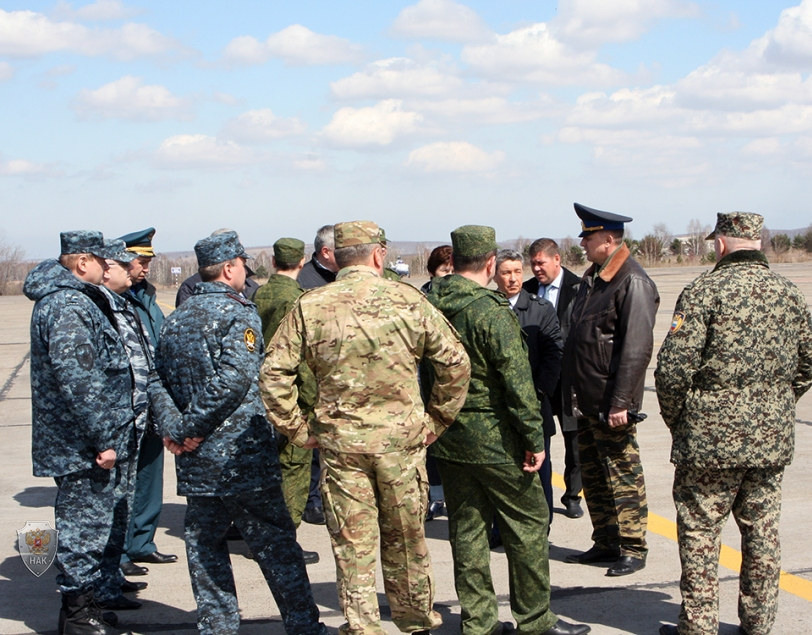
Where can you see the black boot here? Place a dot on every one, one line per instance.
(84, 617)
(108, 616)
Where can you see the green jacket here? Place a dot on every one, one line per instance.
(737, 358)
(274, 300)
(501, 416)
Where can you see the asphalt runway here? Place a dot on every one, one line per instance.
(637, 604)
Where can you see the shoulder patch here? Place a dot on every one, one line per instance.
(250, 339)
(676, 321)
(85, 357)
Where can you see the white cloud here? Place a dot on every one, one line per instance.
(202, 151)
(789, 44)
(128, 98)
(30, 34)
(296, 45)
(591, 23)
(6, 71)
(454, 156)
(99, 11)
(441, 20)
(378, 125)
(20, 167)
(533, 54)
(26, 169)
(260, 126)
(396, 77)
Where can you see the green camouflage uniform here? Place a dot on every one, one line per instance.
(363, 337)
(482, 456)
(274, 301)
(737, 358)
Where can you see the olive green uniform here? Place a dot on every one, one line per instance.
(274, 300)
(480, 459)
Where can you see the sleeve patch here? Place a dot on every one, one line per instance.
(250, 339)
(84, 355)
(676, 321)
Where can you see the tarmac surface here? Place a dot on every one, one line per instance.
(636, 604)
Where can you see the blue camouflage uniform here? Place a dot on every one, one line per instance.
(81, 393)
(207, 365)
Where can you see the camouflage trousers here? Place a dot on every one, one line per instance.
(704, 499)
(473, 495)
(266, 527)
(366, 495)
(92, 513)
(614, 486)
(295, 463)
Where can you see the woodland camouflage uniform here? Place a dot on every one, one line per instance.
(737, 358)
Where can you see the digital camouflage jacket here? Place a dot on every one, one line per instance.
(501, 416)
(207, 363)
(81, 383)
(737, 358)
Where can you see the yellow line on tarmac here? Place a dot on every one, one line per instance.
(729, 558)
(167, 306)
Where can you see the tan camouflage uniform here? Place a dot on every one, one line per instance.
(363, 337)
(737, 358)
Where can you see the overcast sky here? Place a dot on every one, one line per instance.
(275, 118)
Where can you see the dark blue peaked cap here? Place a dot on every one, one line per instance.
(140, 242)
(593, 220)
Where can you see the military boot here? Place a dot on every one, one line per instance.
(84, 617)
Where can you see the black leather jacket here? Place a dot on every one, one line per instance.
(611, 338)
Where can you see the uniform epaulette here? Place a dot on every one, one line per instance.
(239, 298)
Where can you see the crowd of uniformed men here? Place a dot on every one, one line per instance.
(242, 384)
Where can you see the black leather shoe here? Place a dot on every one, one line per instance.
(310, 557)
(314, 516)
(564, 628)
(669, 629)
(434, 510)
(573, 509)
(120, 604)
(626, 565)
(131, 587)
(157, 558)
(130, 569)
(595, 554)
(503, 628)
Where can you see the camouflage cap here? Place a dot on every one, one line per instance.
(117, 250)
(383, 236)
(473, 240)
(219, 248)
(738, 225)
(83, 241)
(357, 232)
(288, 251)
(140, 242)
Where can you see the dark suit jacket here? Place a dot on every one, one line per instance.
(566, 297)
(540, 325)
